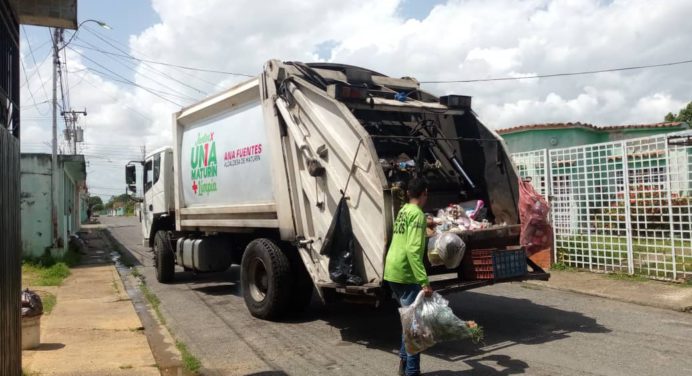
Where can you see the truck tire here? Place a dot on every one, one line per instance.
(265, 277)
(164, 260)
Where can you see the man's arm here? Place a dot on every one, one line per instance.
(415, 239)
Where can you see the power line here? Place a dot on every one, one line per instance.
(33, 58)
(560, 74)
(181, 94)
(29, 89)
(116, 99)
(168, 64)
(128, 82)
(125, 79)
(127, 47)
(143, 64)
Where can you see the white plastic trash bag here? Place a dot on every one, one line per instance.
(446, 249)
(430, 320)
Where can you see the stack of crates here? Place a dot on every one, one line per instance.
(494, 264)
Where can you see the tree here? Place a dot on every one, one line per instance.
(685, 115)
(95, 203)
(121, 201)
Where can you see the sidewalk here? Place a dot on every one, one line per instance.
(93, 329)
(649, 293)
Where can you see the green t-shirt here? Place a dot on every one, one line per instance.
(404, 263)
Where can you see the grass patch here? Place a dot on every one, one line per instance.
(135, 272)
(40, 275)
(48, 301)
(627, 277)
(190, 362)
(561, 266)
(126, 366)
(29, 373)
(47, 270)
(154, 301)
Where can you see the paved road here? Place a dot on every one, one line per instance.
(529, 330)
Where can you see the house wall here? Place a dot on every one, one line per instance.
(35, 203)
(536, 139)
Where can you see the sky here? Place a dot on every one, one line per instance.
(130, 102)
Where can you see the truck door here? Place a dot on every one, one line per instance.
(147, 204)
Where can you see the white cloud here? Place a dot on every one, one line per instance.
(457, 40)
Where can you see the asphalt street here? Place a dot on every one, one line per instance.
(529, 330)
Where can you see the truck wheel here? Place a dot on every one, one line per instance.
(163, 257)
(265, 277)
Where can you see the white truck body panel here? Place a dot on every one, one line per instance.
(226, 153)
(243, 190)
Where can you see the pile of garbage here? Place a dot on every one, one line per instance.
(430, 320)
(459, 218)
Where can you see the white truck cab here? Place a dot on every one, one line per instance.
(157, 192)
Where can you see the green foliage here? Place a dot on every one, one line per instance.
(190, 362)
(154, 301)
(685, 115)
(41, 275)
(95, 203)
(48, 301)
(121, 201)
(560, 266)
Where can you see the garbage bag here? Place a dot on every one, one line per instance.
(536, 231)
(31, 304)
(339, 245)
(430, 320)
(448, 250)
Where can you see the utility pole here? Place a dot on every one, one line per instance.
(71, 120)
(57, 38)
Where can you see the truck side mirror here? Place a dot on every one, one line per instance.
(131, 178)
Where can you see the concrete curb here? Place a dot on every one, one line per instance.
(654, 304)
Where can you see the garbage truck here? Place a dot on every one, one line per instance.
(297, 174)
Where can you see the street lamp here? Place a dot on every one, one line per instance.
(57, 37)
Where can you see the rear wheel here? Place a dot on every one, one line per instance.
(163, 257)
(266, 279)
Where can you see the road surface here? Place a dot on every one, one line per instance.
(529, 330)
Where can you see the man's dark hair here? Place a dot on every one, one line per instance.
(416, 188)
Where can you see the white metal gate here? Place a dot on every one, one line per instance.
(621, 206)
(533, 165)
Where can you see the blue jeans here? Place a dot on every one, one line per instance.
(406, 295)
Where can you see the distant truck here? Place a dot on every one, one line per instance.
(256, 174)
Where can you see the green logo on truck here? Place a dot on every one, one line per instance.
(203, 164)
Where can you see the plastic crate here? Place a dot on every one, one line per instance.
(494, 264)
(481, 265)
(509, 263)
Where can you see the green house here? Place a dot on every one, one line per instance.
(563, 135)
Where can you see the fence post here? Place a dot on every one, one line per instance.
(549, 183)
(585, 185)
(628, 208)
(669, 193)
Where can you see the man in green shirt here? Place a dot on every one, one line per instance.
(404, 270)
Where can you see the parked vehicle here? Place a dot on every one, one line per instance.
(256, 174)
